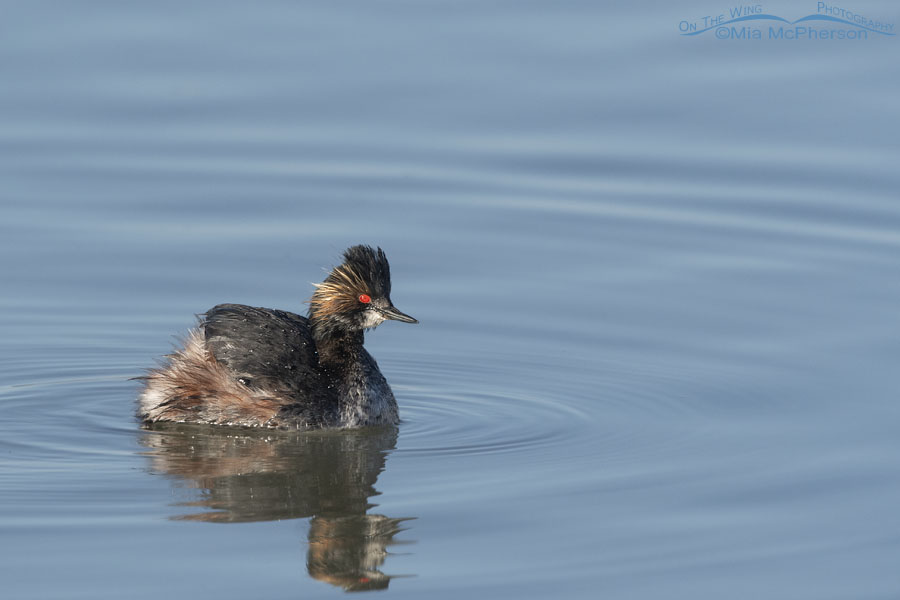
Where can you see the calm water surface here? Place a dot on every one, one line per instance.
(657, 279)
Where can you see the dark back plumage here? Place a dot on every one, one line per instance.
(261, 346)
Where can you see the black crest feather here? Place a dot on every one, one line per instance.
(372, 266)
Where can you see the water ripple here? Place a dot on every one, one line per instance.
(450, 406)
(453, 407)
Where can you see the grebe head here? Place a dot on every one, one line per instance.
(356, 295)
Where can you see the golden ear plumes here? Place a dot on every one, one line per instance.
(339, 293)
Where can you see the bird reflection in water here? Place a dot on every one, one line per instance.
(327, 476)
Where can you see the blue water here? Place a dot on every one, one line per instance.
(657, 278)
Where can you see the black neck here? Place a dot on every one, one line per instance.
(336, 346)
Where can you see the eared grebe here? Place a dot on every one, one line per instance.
(260, 367)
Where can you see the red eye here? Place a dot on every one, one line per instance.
(364, 299)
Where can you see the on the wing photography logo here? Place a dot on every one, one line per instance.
(751, 22)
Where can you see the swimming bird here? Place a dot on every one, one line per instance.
(260, 367)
